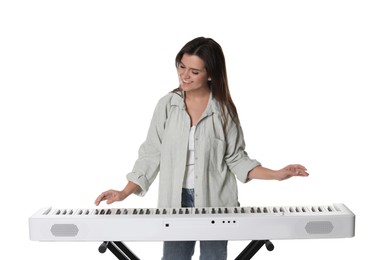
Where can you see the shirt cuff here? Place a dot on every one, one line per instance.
(140, 180)
(243, 169)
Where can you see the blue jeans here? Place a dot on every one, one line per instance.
(184, 250)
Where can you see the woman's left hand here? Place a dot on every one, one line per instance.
(291, 171)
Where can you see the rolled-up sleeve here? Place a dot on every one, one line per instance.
(147, 165)
(236, 157)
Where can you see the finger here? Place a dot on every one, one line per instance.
(298, 166)
(301, 173)
(298, 170)
(304, 174)
(101, 198)
(112, 199)
(98, 200)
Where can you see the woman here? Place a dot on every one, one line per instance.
(196, 143)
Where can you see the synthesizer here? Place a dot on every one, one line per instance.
(183, 224)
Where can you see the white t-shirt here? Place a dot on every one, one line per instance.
(189, 176)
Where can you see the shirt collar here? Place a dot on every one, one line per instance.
(212, 106)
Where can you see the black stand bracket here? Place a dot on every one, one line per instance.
(251, 249)
(122, 252)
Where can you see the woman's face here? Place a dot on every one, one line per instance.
(192, 73)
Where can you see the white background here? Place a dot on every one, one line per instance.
(79, 81)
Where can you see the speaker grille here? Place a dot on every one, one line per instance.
(64, 230)
(319, 227)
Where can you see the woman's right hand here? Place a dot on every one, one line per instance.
(114, 195)
(110, 196)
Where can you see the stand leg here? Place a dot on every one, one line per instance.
(126, 250)
(251, 249)
(120, 250)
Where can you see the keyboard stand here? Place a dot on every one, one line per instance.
(122, 252)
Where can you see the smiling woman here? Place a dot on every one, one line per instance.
(196, 143)
(208, 53)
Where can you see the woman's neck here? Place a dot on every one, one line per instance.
(196, 95)
(196, 103)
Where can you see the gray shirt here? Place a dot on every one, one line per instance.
(220, 157)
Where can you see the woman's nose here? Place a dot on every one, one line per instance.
(186, 74)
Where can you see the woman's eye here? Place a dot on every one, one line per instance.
(195, 72)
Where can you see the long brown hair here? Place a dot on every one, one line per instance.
(212, 55)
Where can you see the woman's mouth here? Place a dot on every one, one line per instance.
(185, 82)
